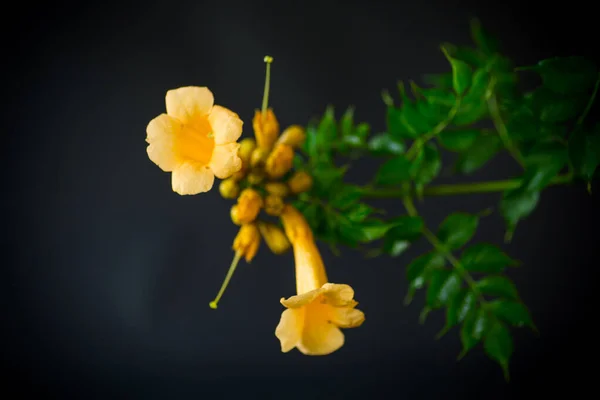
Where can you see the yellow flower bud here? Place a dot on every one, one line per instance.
(258, 157)
(300, 182)
(279, 161)
(256, 176)
(247, 146)
(273, 205)
(233, 213)
(247, 241)
(229, 189)
(293, 136)
(249, 204)
(266, 128)
(277, 188)
(274, 237)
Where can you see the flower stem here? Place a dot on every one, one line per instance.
(440, 248)
(236, 259)
(459, 188)
(265, 102)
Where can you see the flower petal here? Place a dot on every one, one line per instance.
(300, 300)
(188, 103)
(320, 338)
(160, 134)
(339, 295)
(162, 127)
(192, 178)
(225, 160)
(347, 317)
(289, 329)
(161, 153)
(226, 125)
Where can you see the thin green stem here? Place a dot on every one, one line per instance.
(265, 102)
(590, 102)
(439, 128)
(440, 248)
(502, 131)
(459, 188)
(236, 259)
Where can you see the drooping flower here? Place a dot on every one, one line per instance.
(313, 318)
(195, 140)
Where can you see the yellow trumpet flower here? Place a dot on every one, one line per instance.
(313, 318)
(195, 140)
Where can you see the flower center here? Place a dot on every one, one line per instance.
(196, 142)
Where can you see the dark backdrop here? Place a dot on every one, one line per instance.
(109, 273)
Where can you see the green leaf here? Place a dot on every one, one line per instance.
(397, 125)
(483, 149)
(418, 272)
(470, 113)
(394, 171)
(484, 257)
(458, 140)
(359, 212)
(406, 231)
(430, 165)
(407, 122)
(385, 144)
(478, 92)
(484, 41)
(471, 56)
(326, 176)
(498, 285)
(567, 75)
(461, 73)
(551, 107)
(584, 153)
(543, 163)
(440, 81)
(522, 124)
(327, 130)
(362, 131)
(311, 213)
(310, 144)
(498, 345)
(434, 96)
(516, 205)
(346, 197)
(347, 122)
(474, 327)
(366, 231)
(457, 229)
(432, 113)
(443, 286)
(463, 303)
(422, 264)
(513, 312)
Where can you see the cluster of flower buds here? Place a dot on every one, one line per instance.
(264, 182)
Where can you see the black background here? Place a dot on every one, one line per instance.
(109, 273)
